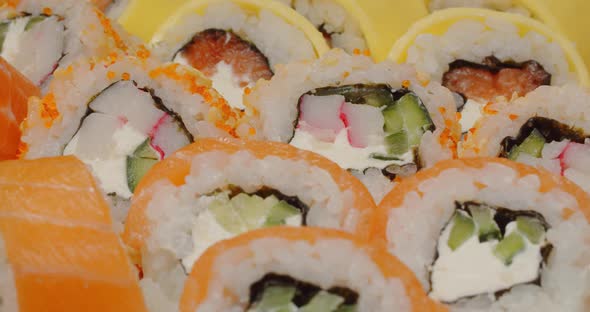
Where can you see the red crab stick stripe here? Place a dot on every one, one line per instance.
(15, 89)
(59, 240)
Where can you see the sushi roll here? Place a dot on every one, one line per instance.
(380, 120)
(66, 29)
(489, 234)
(301, 269)
(485, 56)
(15, 90)
(548, 128)
(235, 43)
(215, 189)
(121, 116)
(337, 20)
(58, 250)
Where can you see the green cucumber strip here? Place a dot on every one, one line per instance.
(279, 213)
(34, 21)
(145, 150)
(532, 145)
(462, 229)
(347, 308)
(397, 143)
(509, 247)
(394, 122)
(227, 217)
(3, 31)
(136, 169)
(386, 157)
(276, 298)
(484, 218)
(530, 227)
(416, 117)
(323, 302)
(251, 208)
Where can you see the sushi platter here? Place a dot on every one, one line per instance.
(294, 156)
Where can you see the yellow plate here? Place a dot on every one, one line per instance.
(384, 21)
(438, 23)
(167, 15)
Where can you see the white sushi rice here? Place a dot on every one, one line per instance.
(473, 41)
(278, 40)
(327, 263)
(8, 296)
(414, 227)
(499, 5)
(335, 19)
(275, 101)
(378, 184)
(116, 8)
(84, 36)
(173, 210)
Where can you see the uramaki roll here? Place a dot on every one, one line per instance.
(549, 128)
(123, 114)
(491, 234)
(379, 119)
(58, 249)
(237, 42)
(215, 189)
(486, 56)
(301, 269)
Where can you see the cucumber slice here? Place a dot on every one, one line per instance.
(509, 247)
(276, 298)
(136, 168)
(532, 145)
(323, 301)
(462, 229)
(530, 227)
(145, 150)
(394, 122)
(279, 213)
(3, 30)
(484, 218)
(416, 117)
(251, 208)
(227, 216)
(347, 308)
(386, 157)
(143, 159)
(397, 143)
(34, 21)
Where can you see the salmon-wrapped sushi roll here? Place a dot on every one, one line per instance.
(489, 234)
(237, 42)
(301, 269)
(549, 128)
(15, 91)
(215, 189)
(58, 250)
(65, 29)
(485, 56)
(378, 119)
(122, 115)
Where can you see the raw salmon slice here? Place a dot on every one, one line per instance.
(60, 245)
(15, 90)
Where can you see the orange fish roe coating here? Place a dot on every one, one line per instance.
(513, 116)
(406, 84)
(125, 76)
(143, 52)
(111, 74)
(442, 110)
(222, 114)
(47, 11)
(110, 31)
(489, 111)
(366, 52)
(22, 150)
(49, 110)
(458, 115)
(346, 74)
(356, 51)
